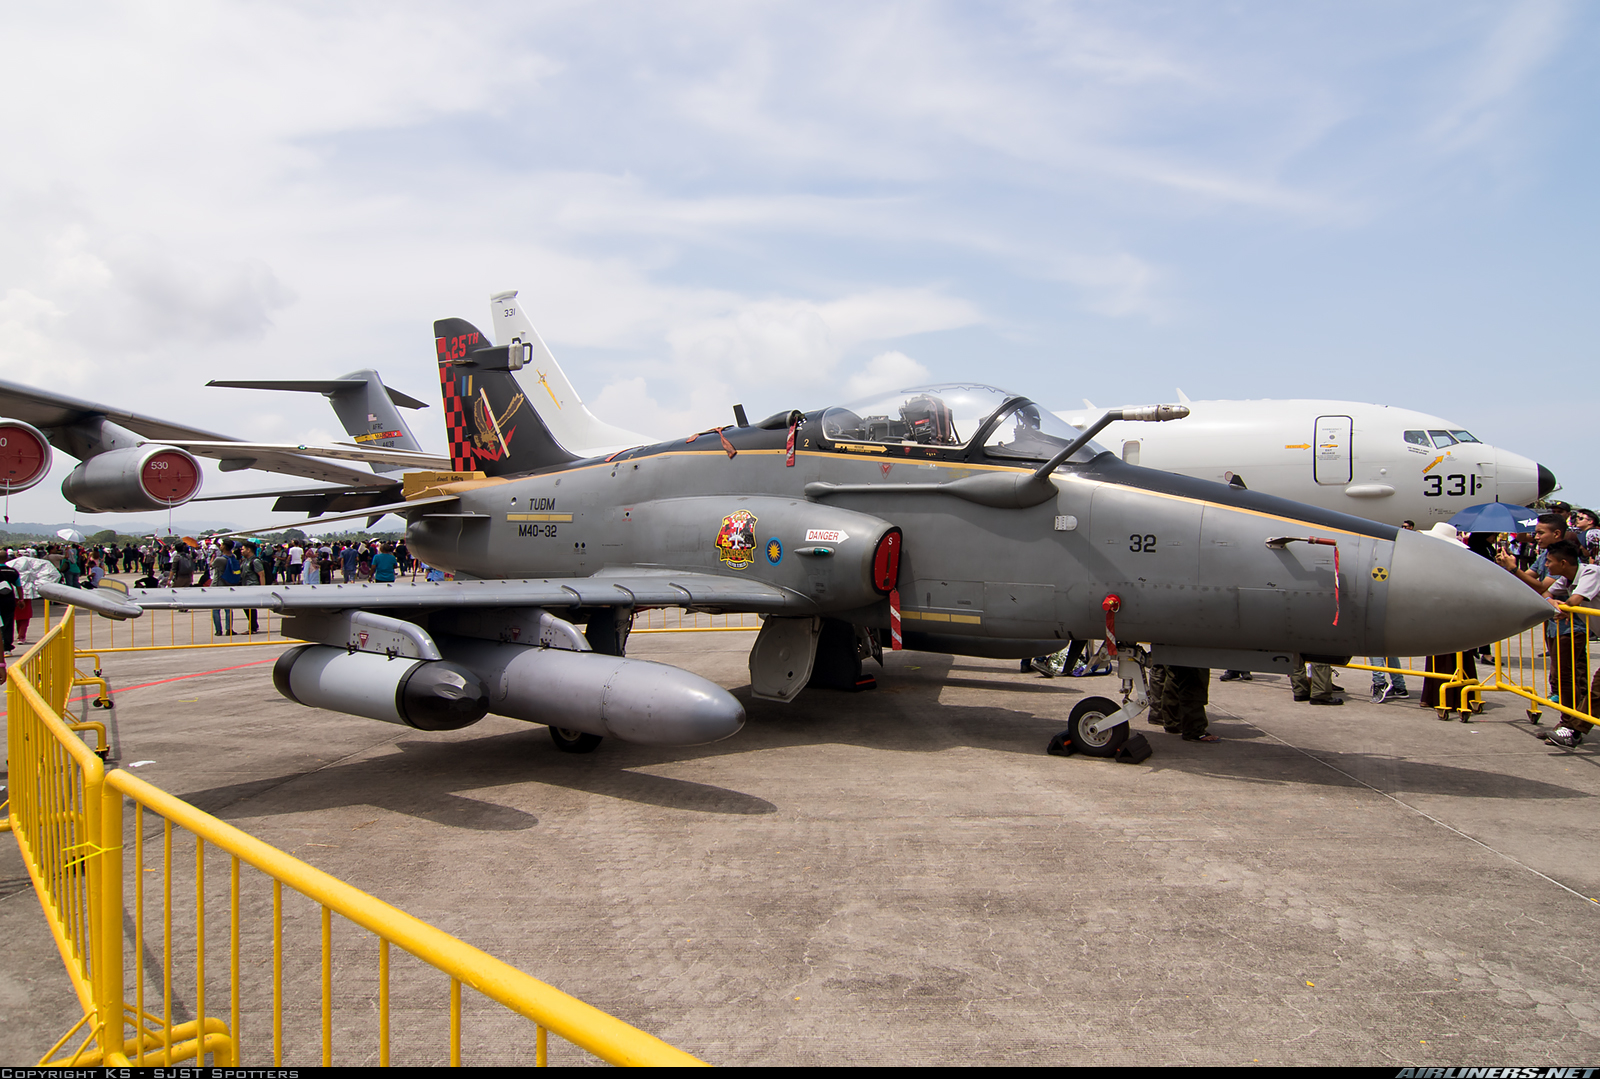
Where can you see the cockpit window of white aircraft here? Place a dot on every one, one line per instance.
(1442, 439)
(1417, 438)
(1463, 436)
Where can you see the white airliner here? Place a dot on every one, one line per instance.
(1375, 461)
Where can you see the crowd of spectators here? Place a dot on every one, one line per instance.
(185, 562)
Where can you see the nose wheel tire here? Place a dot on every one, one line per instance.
(571, 741)
(1108, 741)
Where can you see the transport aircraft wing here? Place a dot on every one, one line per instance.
(411, 458)
(130, 462)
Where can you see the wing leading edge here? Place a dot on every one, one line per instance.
(638, 589)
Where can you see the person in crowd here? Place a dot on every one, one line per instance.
(182, 566)
(1550, 528)
(1178, 700)
(224, 573)
(1387, 685)
(10, 599)
(1316, 689)
(1573, 583)
(32, 571)
(251, 571)
(384, 564)
(349, 561)
(1588, 533)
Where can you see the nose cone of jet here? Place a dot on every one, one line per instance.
(1443, 598)
(1547, 481)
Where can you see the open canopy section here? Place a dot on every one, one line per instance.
(956, 415)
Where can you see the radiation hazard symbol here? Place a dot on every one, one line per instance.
(1380, 574)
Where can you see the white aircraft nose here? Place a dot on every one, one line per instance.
(1517, 479)
(1443, 598)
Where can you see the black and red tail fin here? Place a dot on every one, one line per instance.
(492, 427)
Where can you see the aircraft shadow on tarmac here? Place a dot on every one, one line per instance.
(904, 714)
(424, 780)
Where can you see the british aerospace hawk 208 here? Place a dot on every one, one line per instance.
(955, 518)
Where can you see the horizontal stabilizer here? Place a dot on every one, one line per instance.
(314, 385)
(366, 411)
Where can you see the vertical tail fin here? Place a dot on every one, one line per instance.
(491, 425)
(364, 405)
(554, 398)
(371, 418)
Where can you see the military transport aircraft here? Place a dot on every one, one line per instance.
(132, 463)
(956, 518)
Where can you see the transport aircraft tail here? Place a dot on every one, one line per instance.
(492, 427)
(369, 410)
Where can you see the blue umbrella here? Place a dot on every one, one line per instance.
(1495, 517)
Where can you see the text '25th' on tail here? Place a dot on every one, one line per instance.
(492, 427)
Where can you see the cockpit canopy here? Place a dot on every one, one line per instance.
(950, 416)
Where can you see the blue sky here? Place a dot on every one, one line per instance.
(790, 204)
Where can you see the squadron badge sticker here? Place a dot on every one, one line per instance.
(737, 539)
(774, 550)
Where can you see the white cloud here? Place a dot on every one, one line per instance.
(884, 372)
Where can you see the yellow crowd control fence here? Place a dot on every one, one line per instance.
(1548, 666)
(177, 953)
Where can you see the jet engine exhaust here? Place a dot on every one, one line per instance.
(427, 695)
(630, 699)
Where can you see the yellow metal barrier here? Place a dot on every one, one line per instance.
(1566, 667)
(67, 813)
(175, 629)
(1563, 658)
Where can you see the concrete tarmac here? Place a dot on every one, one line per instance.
(902, 876)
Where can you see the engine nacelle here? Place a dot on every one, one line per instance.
(429, 695)
(133, 479)
(25, 456)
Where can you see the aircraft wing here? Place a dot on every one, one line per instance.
(51, 410)
(384, 492)
(338, 453)
(641, 588)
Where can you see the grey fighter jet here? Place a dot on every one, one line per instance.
(956, 518)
